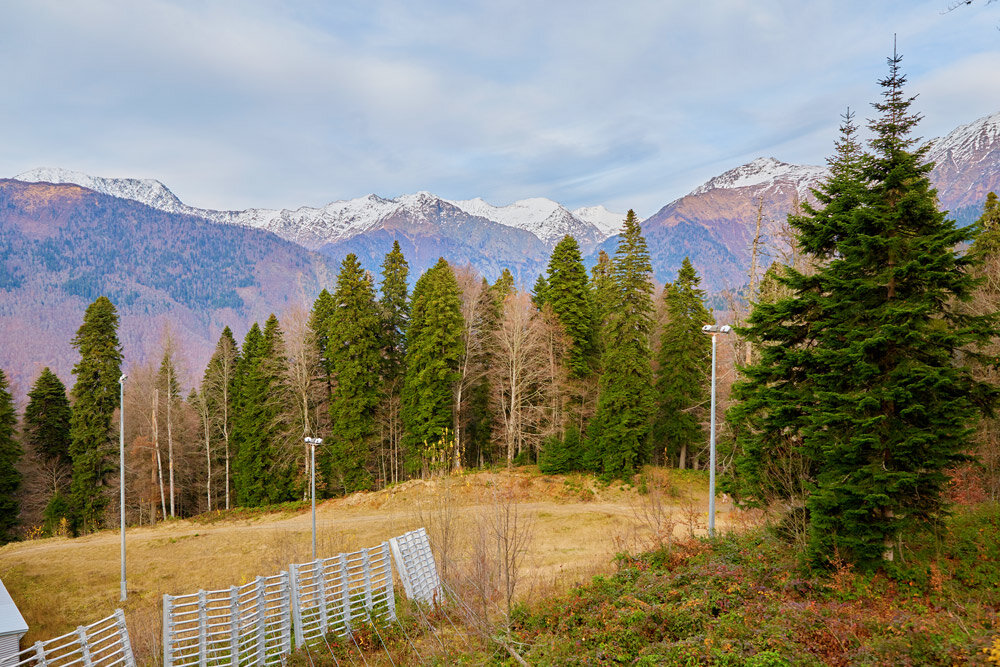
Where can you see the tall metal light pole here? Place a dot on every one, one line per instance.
(312, 442)
(713, 330)
(121, 470)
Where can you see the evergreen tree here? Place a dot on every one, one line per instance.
(434, 345)
(539, 293)
(602, 285)
(319, 324)
(986, 251)
(46, 431)
(987, 243)
(262, 473)
(395, 309)
(47, 418)
(10, 455)
(95, 398)
(503, 287)
(478, 431)
(625, 405)
(568, 292)
(871, 390)
(775, 395)
(684, 361)
(561, 455)
(354, 351)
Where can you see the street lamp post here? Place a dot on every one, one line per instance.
(121, 471)
(713, 330)
(312, 442)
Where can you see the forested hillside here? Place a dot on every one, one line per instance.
(62, 246)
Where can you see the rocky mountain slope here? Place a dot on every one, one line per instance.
(967, 167)
(62, 246)
(715, 223)
(339, 221)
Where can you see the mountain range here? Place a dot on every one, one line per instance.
(67, 237)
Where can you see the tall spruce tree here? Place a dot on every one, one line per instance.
(47, 418)
(626, 404)
(540, 292)
(684, 364)
(568, 292)
(262, 474)
(10, 455)
(987, 243)
(870, 391)
(395, 309)
(986, 251)
(354, 351)
(602, 285)
(319, 325)
(775, 394)
(46, 432)
(503, 286)
(95, 398)
(434, 345)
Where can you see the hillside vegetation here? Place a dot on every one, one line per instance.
(576, 526)
(743, 599)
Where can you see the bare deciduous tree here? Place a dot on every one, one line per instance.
(216, 387)
(302, 364)
(473, 292)
(519, 378)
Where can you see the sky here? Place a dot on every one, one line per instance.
(630, 104)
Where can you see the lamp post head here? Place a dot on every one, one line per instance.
(713, 329)
(122, 379)
(314, 441)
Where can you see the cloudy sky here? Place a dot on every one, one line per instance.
(243, 103)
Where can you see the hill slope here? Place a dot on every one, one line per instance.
(62, 246)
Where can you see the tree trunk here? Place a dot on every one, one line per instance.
(170, 440)
(456, 459)
(208, 456)
(156, 447)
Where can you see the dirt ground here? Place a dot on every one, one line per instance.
(575, 526)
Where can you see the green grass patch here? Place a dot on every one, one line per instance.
(249, 513)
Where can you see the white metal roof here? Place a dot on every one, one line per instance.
(11, 620)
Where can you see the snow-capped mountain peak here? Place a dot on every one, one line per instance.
(762, 171)
(146, 190)
(609, 222)
(526, 212)
(338, 220)
(966, 143)
(550, 221)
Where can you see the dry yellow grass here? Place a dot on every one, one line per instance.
(576, 523)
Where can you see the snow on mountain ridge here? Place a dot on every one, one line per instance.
(513, 215)
(966, 141)
(549, 220)
(762, 171)
(339, 220)
(146, 190)
(609, 222)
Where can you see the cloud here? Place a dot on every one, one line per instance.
(257, 103)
